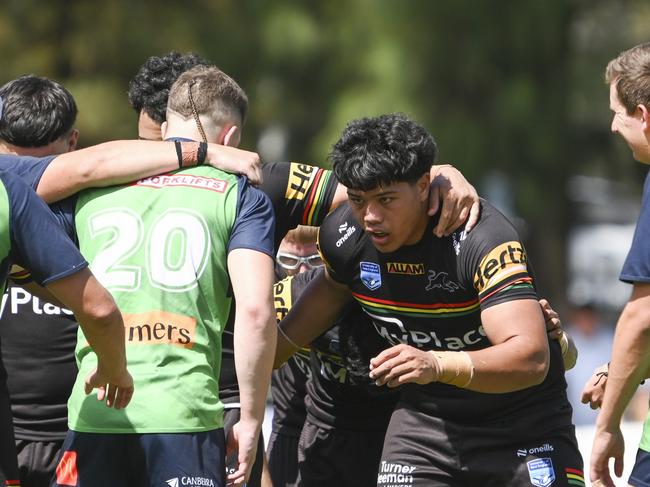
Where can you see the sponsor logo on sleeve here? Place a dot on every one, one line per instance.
(370, 275)
(500, 263)
(541, 472)
(457, 238)
(347, 231)
(406, 268)
(300, 177)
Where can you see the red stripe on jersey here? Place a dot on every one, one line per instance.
(416, 305)
(575, 471)
(312, 195)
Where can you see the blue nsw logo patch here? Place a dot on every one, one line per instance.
(541, 472)
(370, 275)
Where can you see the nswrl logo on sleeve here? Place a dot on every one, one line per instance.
(370, 275)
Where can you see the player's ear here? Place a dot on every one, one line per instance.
(231, 136)
(163, 129)
(645, 117)
(422, 185)
(72, 141)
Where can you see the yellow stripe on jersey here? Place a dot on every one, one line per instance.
(438, 310)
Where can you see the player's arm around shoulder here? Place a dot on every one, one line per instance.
(312, 314)
(119, 162)
(326, 294)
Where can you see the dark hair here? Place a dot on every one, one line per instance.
(37, 111)
(378, 151)
(630, 70)
(149, 88)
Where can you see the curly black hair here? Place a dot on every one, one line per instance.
(149, 88)
(378, 151)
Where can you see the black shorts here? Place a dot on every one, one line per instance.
(424, 451)
(8, 463)
(37, 461)
(141, 460)
(640, 476)
(231, 416)
(283, 459)
(337, 457)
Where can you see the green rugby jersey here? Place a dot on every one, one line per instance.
(160, 246)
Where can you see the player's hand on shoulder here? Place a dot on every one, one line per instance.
(402, 364)
(555, 331)
(460, 201)
(115, 389)
(594, 389)
(237, 161)
(552, 319)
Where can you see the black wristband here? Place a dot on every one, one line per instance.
(179, 153)
(202, 153)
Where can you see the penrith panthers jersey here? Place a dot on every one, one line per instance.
(301, 195)
(430, 295)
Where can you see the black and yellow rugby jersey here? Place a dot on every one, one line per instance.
(340, 393)
(300, 195)
(430, 295)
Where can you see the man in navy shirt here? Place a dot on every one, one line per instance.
(38, 338)
(56, 264)
(628, 77)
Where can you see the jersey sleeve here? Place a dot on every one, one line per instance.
(637, 263)
(493, 260)
(255, 223)
(38, 242)
(64, 212)
(29, 169)
(301, 194)
(338, 239)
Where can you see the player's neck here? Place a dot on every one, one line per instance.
(420, 227)
(187, 129)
